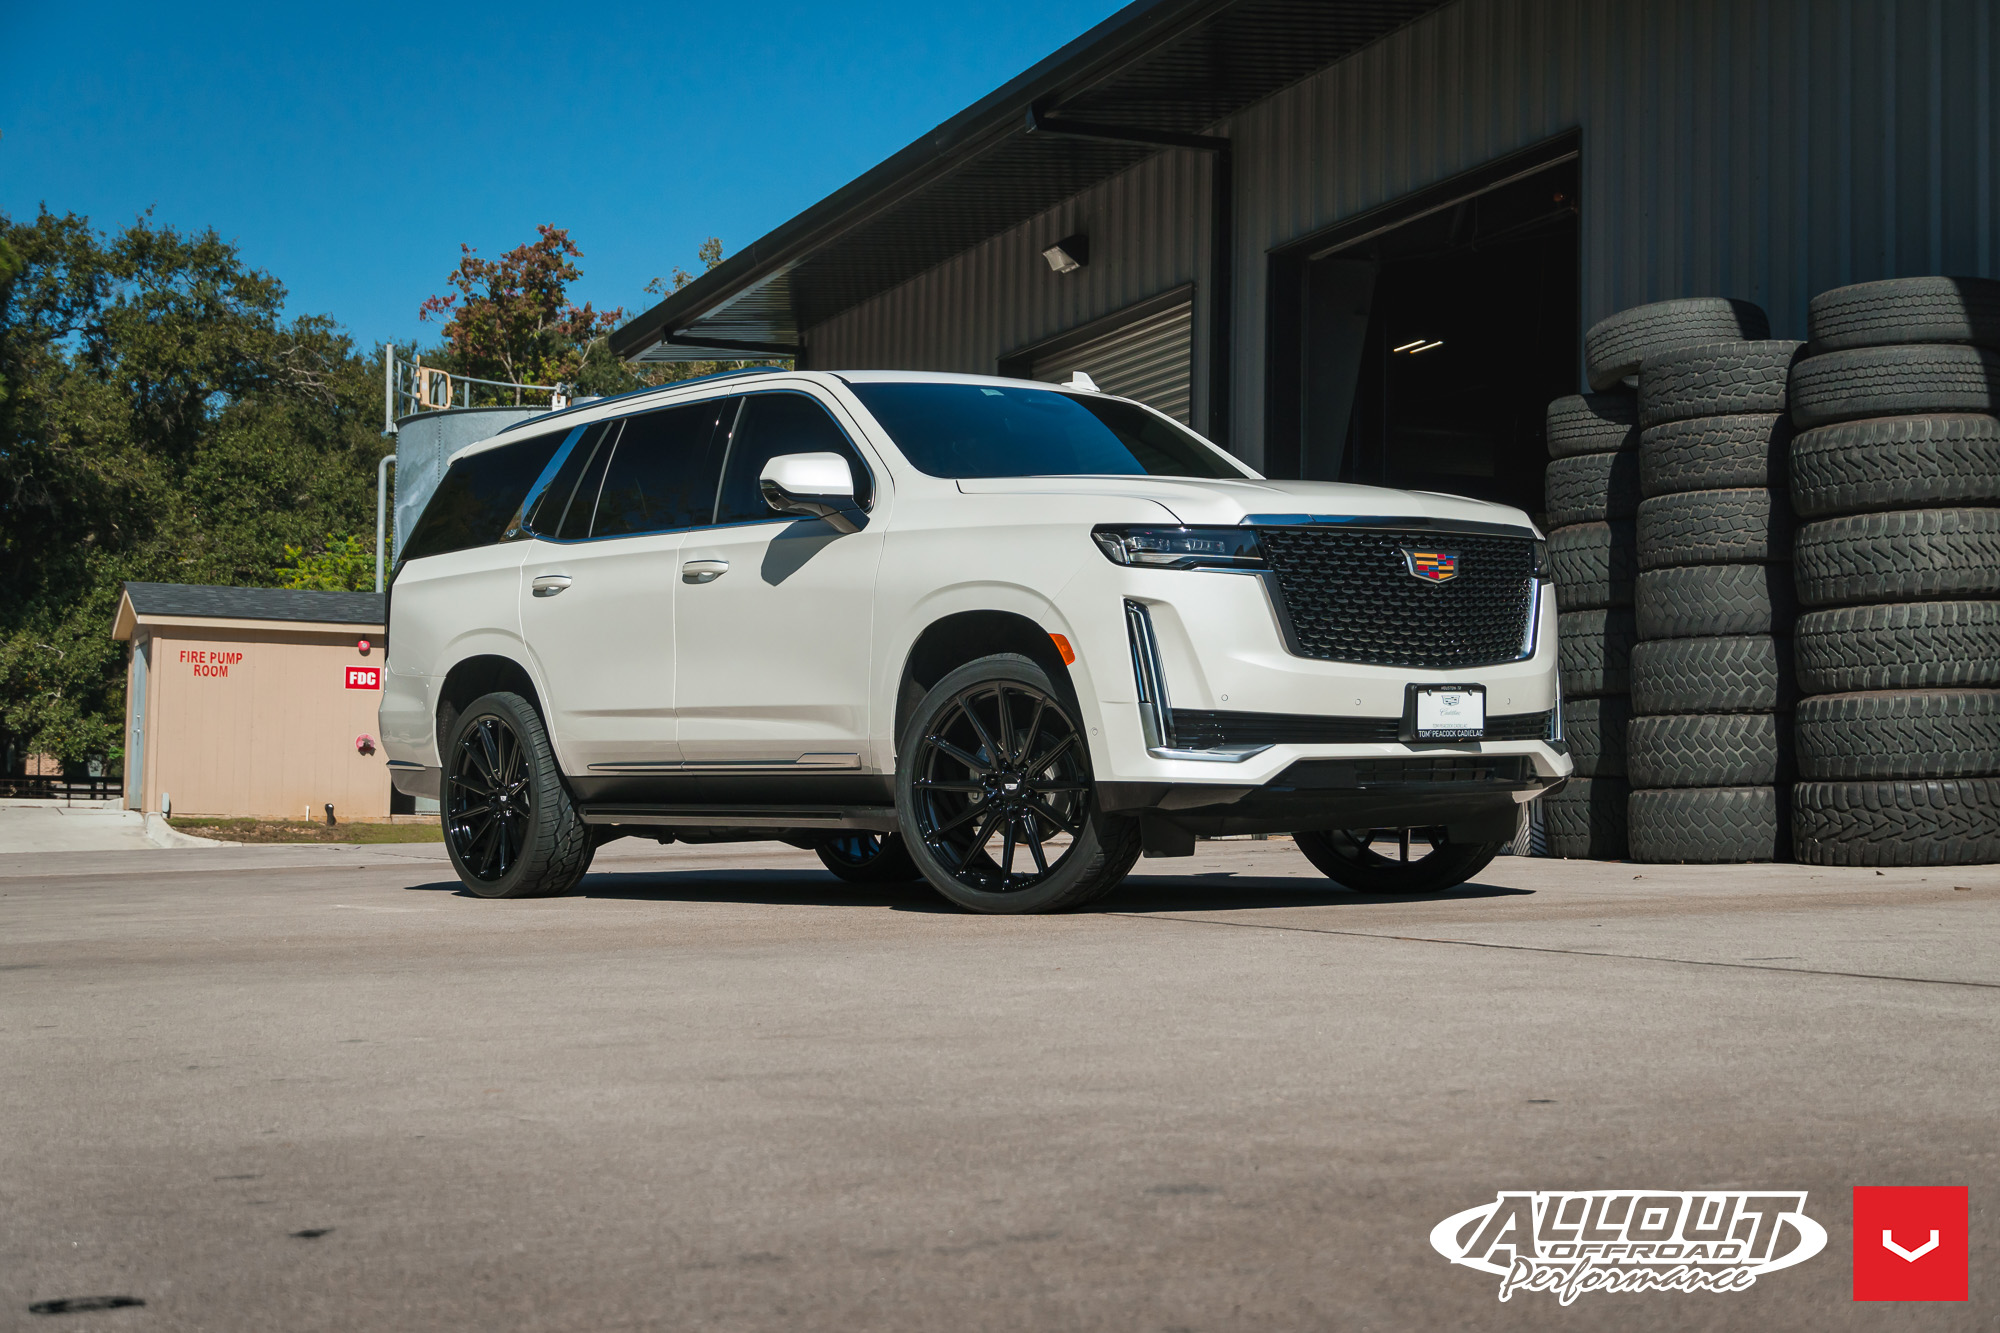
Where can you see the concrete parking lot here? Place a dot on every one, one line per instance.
(319, 1088)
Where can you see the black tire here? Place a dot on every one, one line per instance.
(1859, 467)
(1709, 750)
(1715, 380)
(1594, 652)
(863, 857)
(1740, 527)
(1710, 825)
(1902, 646)
(1348, 858)
(1590, 488)
(1594, 564)
(1948, 822)
(1905, 310)
(510, 827)
(1704, 600)
(1615, 346)
(1586, 819)
(1595, 731)
(1900, 734)
(1739, 673)
(1894, 382)
(1592, 423)
(1906, 556)
(995, 750)
(1715, 454)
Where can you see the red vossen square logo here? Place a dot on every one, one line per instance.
(364, 678)
(1910, 1243)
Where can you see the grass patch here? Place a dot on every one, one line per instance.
(298, 830)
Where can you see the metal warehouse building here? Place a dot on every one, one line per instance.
(1359, 239)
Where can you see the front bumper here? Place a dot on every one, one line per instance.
(1476, 798)
(1194, 686)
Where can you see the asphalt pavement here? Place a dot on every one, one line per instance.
(319, 1088)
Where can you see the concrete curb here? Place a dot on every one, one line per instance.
(162, 834)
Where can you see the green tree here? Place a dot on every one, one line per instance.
(162, 420)
(512, 319)
(341, 564)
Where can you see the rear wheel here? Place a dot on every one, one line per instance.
(1389, 860)
(861, 857)
(994, 791)
(509, 825)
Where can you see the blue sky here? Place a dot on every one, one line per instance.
(350, 150)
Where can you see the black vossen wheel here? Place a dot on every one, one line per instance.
(861, 857)
(508, 822)
(995, 796)
(1410, 860)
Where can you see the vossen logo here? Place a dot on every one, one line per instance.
(1569, 1242)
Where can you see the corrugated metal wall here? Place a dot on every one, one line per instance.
(1767, 149)
(1148, 232)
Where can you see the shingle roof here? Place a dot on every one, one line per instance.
(194, 599)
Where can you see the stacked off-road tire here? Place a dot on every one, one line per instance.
(1593, 497)
(1593, 489)
(1895, 477)
(1709, 749)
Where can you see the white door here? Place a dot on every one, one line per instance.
(774, 617)
(598, 587)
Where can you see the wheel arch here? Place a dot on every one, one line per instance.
(471, 677)
(951, 641)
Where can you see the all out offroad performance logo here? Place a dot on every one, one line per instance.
(1569, 1242)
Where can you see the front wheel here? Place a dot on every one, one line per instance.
(1412, 860)
(995, 797)
(508, 821)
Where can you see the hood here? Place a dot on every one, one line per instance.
(1233, 500)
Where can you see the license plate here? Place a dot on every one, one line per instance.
(1450, 713)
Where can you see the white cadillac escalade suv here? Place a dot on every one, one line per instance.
(997, 635)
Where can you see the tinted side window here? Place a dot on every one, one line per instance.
(560, 493)
(479, 496)
(774, 424)
(662, 473)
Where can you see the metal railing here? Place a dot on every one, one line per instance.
(54, 787)
(409, 386)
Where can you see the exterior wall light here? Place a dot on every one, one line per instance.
(1069, 254)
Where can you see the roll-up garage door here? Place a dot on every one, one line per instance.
(1150, 359)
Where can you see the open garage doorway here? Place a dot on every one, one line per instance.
(1419, 347)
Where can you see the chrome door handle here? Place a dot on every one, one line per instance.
(548, 585)
(703, 571)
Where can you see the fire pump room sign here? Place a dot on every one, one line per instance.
(213, 663)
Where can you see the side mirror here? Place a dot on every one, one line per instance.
(811, 486)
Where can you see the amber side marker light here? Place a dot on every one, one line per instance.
(1067, 653)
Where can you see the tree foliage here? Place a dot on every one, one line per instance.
(511, 318)
(343, 564)
(160, 419)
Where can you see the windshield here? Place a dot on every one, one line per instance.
(973, 430)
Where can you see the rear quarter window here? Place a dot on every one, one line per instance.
(480, 497)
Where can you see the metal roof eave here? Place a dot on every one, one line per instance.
(1095, 54)
(1143, 81)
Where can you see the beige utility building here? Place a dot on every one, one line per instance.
(253, 701)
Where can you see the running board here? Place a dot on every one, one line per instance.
(879, 818)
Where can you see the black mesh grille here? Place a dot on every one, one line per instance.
(1348, 596)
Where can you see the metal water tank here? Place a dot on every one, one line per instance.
(425, 442)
